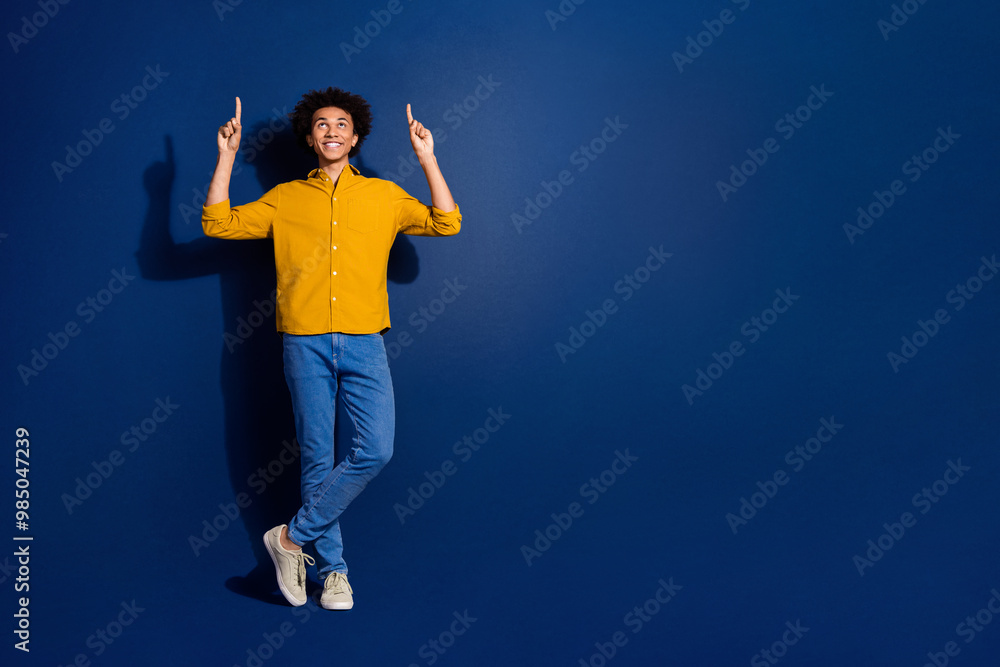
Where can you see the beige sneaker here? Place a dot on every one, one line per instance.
(337, 592)
(290, 567)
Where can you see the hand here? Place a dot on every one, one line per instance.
(229, 134)
(420, 137)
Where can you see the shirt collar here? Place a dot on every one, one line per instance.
(348, 171)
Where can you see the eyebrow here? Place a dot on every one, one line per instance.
(324, 118)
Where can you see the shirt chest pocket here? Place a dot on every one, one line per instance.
(366, 215)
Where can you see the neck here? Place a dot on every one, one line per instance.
(333, 169)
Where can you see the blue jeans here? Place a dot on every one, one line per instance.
(320, 370)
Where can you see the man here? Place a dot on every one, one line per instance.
(332, 233)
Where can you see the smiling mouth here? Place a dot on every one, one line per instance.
(332, 145)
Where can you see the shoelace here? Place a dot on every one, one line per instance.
(337, 581)
(300, 573)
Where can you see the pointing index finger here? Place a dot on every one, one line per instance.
(409, 114)
(239, 109)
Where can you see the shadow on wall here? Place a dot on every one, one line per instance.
(261, 449)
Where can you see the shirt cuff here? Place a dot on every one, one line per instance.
(441, 216)
(216, 210)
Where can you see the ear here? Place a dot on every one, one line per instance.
(309, 140)
(354, 140)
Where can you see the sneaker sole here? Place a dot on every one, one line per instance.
(277, 571)
(338, 606)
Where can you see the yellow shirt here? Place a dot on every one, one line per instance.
(331, 246)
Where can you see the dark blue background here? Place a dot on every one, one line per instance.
(132, 205)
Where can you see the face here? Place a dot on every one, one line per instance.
(332, 135)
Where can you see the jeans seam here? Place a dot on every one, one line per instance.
(327, 483)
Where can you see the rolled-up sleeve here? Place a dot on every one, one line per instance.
(418, 219)
(248, 221)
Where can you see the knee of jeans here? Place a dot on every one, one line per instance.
(383, 457)
(375, 459)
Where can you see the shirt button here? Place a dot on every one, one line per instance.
(334, 298)
(334, 222)
(334, 273)
(334, 247)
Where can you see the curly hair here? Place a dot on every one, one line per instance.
(355, 105)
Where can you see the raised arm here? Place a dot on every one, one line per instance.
(423, 146)
(218, 219)
(229, 143)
